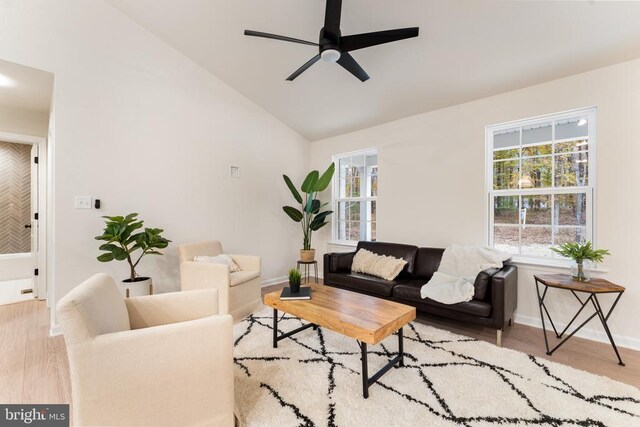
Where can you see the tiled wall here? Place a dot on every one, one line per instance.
(15, 198)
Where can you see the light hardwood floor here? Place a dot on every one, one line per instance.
(34, 367)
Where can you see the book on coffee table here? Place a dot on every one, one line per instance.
(305, 293)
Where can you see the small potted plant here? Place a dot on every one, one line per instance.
(123, 240)
(579, 253)
(309, 215)
(295, 278)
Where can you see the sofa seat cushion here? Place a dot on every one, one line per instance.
(410, 291)
(363, 283)
(242, 276)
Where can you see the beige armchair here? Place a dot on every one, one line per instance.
(239, 293)
(160, 360)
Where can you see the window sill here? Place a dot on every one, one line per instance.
(550, 263)
(343, 243)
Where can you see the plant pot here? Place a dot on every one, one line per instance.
(581, 271)
(307, 255)
(294, 287)
(137, 287)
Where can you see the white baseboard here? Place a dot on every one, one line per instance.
(55, 330)
(274, 281)
(599, 336)
(282, 279)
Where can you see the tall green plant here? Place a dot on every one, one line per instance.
(122, 242)
(309, 215)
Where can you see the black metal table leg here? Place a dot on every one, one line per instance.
(400, 347)
(277, 337)
(365, 370)
(603, 319)
(540, 305)
(275, 328)
(398, 360)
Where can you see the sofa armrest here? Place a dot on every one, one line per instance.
(248, 262)
(337, 262)
(202, 275)
(504, 295)
(162, 309)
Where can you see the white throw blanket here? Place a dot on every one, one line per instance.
(453, 282)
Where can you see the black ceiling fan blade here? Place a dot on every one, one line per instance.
(304, 68)
(277, 37)
(332, 19)
(360, 41)
(350, 64)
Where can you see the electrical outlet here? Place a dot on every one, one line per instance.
(83, 202)
(235, 171)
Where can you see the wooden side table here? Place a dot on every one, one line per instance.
(592, 287)
(307, 269)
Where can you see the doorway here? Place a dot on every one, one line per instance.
(19, 219)
(25, 110)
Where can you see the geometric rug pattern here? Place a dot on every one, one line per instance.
(313, 379)
(15, 198)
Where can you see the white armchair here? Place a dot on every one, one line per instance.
(239, 293)
(160, 360)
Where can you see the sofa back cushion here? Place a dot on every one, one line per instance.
(396, 250)
(427, 262)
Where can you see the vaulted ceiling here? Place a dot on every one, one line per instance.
(467, 49)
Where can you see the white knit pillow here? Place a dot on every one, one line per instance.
(383, 266)
(219, 259)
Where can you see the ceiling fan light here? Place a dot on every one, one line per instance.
(330, 55)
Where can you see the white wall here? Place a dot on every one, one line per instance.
(16, 120)
(146, 130)
(432, 179)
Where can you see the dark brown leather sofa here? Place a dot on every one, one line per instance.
(493, 304)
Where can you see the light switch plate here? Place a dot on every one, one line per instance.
(83, 202)
(235, 171)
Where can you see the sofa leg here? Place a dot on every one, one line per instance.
(511, 322)
(499, 337)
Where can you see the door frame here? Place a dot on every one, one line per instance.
(40, 286)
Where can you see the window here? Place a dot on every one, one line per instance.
(541, 181)
(355, 195)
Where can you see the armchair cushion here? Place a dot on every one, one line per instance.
(240, 277)
(174, 307)
(189, 251)
(94, 308)
(219, 259)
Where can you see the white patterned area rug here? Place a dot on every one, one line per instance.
(313, 379)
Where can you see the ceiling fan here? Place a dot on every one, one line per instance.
(334, 47)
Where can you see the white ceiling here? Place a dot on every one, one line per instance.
(467, 49)
(26, 88)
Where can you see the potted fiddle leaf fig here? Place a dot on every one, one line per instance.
(127, 241)
(309, 214)
(579, 253)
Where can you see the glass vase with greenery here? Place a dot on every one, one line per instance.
(581, 252)
(123, 241)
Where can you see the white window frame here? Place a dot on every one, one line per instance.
(590, 189)
(335, 197)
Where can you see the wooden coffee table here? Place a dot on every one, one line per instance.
(367, 319)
